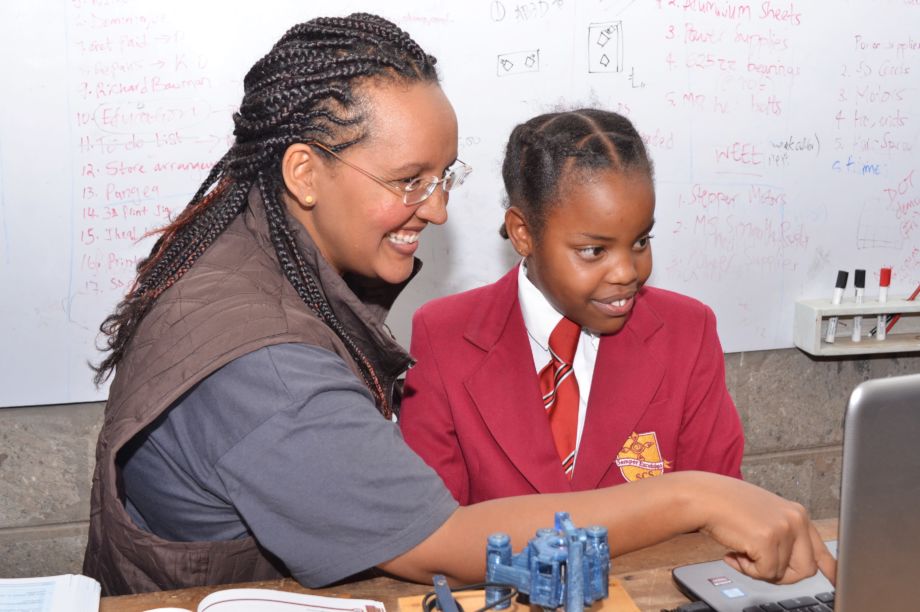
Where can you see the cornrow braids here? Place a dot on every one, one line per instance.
(543, 149)
(298, 274)
(304, 89)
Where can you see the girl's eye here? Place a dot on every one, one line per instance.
(643, 243)
(591, 252)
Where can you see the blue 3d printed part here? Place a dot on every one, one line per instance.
(561, 566)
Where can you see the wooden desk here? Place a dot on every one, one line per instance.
(646, 574)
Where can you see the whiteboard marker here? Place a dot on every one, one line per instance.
(884, 280)
(838, 295)
(859, 281)
(894, 318)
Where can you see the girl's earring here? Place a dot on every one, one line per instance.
(308, 200)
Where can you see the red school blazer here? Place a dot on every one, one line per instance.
(658, 402)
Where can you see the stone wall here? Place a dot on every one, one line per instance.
(792, 407)
(46, 467)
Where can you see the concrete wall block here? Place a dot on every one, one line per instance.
(789, 400)
(811, 478)
(47, 456)
(47, 551)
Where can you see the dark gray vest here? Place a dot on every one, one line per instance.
(234, 300)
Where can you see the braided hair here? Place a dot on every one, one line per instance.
(543, 149)
(303, 90)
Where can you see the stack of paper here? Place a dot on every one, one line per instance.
(67, 593)
(269, 600)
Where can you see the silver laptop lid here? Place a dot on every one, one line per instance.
(878, 547)
(879, 534)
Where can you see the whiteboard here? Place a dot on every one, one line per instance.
(784, 134)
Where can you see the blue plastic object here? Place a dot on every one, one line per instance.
(443, 594)
(562, 566)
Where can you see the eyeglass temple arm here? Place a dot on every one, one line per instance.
(377, 180)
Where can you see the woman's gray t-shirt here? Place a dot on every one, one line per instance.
(285, 444)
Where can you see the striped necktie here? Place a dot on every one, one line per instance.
(560, 391)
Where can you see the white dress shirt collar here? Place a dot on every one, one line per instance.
(540, 318)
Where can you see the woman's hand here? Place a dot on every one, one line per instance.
(770, 538)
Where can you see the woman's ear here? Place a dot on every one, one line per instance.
(518, 231)
(299, 171)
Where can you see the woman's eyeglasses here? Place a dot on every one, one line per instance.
(418, 189)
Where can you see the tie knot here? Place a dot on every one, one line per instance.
(564, 340)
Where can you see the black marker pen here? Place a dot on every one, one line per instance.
(859, 281)
(842, 275)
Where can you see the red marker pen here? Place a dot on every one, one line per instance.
(884, 281)
(895, 318)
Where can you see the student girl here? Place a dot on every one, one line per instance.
(639, 386)
(247, 433)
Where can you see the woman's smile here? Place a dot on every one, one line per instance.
(404, 242)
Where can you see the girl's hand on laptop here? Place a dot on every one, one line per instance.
(770, 538)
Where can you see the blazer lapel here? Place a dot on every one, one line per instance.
(626, 377)
(506, 391)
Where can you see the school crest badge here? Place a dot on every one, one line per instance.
(641, 457)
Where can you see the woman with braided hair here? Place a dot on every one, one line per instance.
(248, 431)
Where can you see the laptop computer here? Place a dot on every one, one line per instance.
(878, 541)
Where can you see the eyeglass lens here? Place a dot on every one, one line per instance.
(453, 177)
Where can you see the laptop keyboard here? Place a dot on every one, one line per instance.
(822, 602)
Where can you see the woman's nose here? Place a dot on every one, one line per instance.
(434, 208)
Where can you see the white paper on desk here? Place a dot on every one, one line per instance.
(66, 593)
(269, 600)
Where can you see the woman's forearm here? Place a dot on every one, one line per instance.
(773, 537)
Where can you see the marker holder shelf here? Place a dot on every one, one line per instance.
(812, 316)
